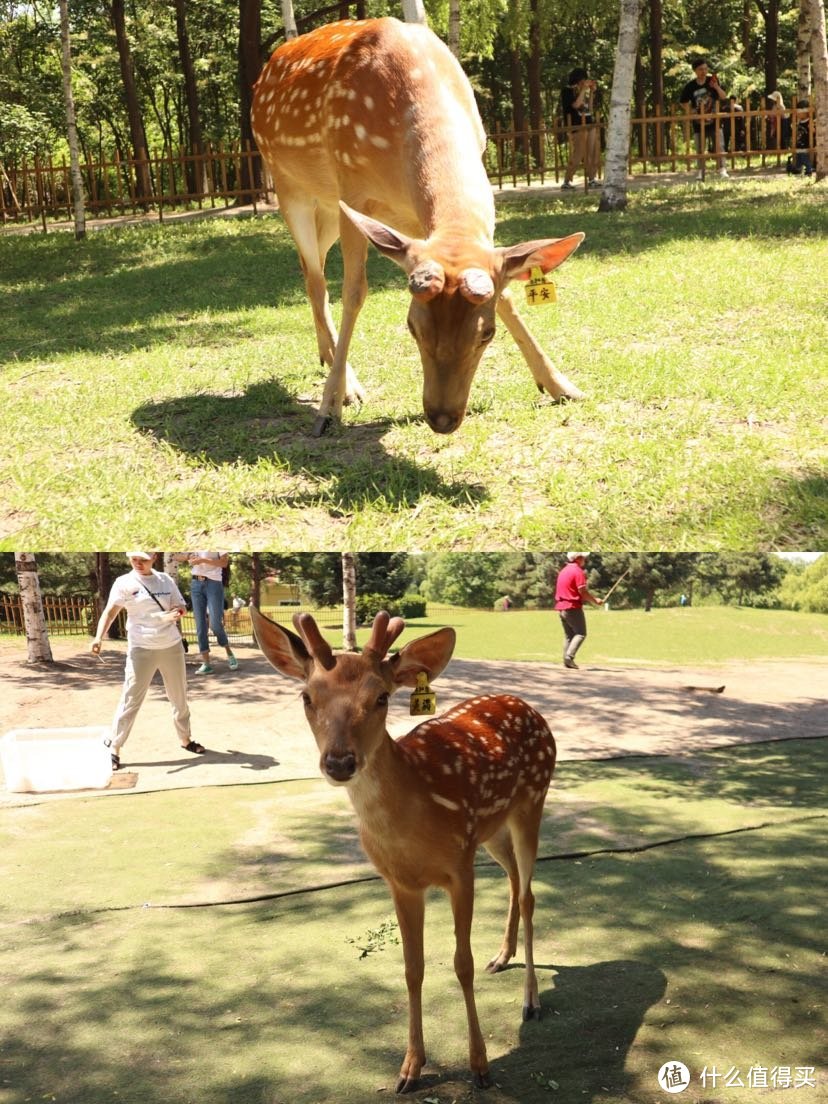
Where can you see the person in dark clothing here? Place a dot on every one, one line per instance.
(802, 160)
(584, 144)
(702, 96)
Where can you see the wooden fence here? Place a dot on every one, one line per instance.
(218, 176)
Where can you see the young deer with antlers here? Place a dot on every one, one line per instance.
(475, 775)
(361, 121)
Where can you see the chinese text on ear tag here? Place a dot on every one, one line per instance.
(423, 698)
(540, 289)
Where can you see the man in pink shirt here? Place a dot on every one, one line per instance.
(570, 594)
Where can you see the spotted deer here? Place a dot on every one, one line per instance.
(375, 120)
(478, 774)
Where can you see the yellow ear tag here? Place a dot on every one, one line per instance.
(423, 699)
(540, 289)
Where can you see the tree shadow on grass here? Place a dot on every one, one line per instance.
(266, 423)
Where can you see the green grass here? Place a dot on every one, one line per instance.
(713, 634)
(705, 951)
(159, 383)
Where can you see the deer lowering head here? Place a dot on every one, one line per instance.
(478, 774)
(371, 133)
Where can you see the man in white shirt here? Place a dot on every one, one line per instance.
(154, 607)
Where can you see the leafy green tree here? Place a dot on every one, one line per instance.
(806, 587)
(735, 575)
(463, 578)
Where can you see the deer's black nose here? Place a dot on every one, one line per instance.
(443, 423)
(340, 768)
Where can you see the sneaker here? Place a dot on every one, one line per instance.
(204, 669)
(232, 663)
(724, 174)
(570, 663)
(567, 187)
(699, 176)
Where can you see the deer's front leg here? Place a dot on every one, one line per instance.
(410, 908)
(461, 892)
(544, 372)
(342, 386)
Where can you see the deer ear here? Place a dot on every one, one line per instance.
(430, 653)
(391, 243)
(283, 649)
(519, 260)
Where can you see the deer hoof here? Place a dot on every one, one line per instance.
(322, 424)
(406, 1085)
(482, 1080)
(531, 1012)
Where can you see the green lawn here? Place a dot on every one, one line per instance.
(699, 634)
(158, 382)
(706, 951)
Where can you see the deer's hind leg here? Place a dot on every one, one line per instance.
(501, 849)
(524, 827)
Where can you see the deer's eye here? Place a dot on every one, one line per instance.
(306, 698)
(487, 335)
(382, 701)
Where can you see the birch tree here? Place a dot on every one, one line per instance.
(34, 619)
(349, 601)
(414, 11)
(454, 27)
(71, 125)
(819, 60)
(289, 20)
(614, 192)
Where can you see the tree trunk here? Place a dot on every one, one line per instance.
(34, 619)
(534, 73)
(640, 101)
(454, 27)
(657, 54)
(250, 65)
(349, 601)
(748, 53)
(143, 185)
(170, 565)
(289, 20)
(198, 177)
(803, 51)
(414, 11)
(614, 192)
(819, 60)
(256, 595)
(518, 103)
(71, 125)
(770, 11)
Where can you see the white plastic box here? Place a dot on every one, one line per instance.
(42, 759)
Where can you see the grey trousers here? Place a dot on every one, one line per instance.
(575, 630)
(141, 665)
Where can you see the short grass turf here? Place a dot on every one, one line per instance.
(160, 382)
(708, 951)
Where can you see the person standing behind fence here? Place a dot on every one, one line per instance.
(207, 594)
(570, 594)
(584, 145)
(702, 96)
(154, 606)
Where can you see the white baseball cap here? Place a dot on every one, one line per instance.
(577, 556)
(139, 555)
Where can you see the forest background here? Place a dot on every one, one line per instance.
(160, 74)
(398, 580)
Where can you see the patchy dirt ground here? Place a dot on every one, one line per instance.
(253, 724)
